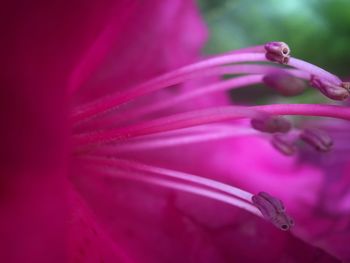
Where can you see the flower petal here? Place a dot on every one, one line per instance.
(158, 225)
(42, 41)
(157, 36)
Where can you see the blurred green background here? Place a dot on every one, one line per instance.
(317, 31)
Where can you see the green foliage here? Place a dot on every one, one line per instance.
(316, 30)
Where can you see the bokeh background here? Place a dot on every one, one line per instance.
(316, 30)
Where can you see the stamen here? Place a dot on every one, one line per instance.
(318, 139)
(173, 122)
(333, 111)
(285, 83)
(329, 89)
(206, 116)
(253, 69)
(278, 48)
(283, 145)
(273, 210)
(314, 70)
(280, 52)
(185, 187)
(191, 178)
(166, 80)
(287, 86)
(230, 84)
(156, 143)
(277, 58)
(190, 189)
(271, 124)
(180, 75)
(277, 52)
(277, 204)
(346, 85)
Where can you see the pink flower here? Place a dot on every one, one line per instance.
(119, 144)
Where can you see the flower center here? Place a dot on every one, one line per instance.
(279, 71)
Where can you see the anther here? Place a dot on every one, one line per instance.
(329, 89)
(284, 83)
(273, 210)
(278, 48)
(278, 58)
(317, 139)
(277, 52)
(283, 145)
(271, 124)
(346, 85)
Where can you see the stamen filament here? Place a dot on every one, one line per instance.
(206, 116)
(173, 122)
(156, 143)
(178, 137)
(186, 188)
(166, 80)
(235, 83)
(221, 86)
(181, 74)
(313, 69)
(248, 69)
(133, 165)
(319, 110)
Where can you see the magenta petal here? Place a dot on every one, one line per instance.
(247, 162)
(158, 225)
(33, 137)
(98, 50)
(317, 199)
(87, 241)
(42, 41)
(327, 222)
(157, 36)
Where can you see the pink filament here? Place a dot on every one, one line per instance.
(155, 143)
(314, 70)
(221, 86)
(189, 178)
(173, 122)
(184, 73)
(188, 188)
(235, 83)
(332, 111)
(200, 117)
(166, 80)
